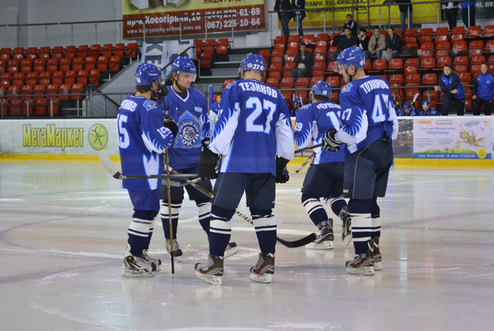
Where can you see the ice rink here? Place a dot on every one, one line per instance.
(63, 231)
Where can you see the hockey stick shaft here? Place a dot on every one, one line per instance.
(307, 148)
(170, 212)
(112, 170)
(291, 244)
(305, 163)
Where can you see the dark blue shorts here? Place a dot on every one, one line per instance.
(324, 180)
(177, 193)
(260, 190)
(145, 200)
(367, 170)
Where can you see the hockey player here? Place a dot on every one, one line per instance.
(368, 124)
(142, 138)
(408, 110)
(427, 110)
(324, 179)
(254, 137)
(188, 108)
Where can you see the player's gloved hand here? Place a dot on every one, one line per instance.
(170, 124)
(207, 164)
(205, 142)
(160, 94)
(329, 141)
(282, 175)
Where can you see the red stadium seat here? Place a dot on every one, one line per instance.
(64, 89)
(77, 64)
(69, 77)
(334, 81)
(82, 51)
(477, 59)
(89, 63)
(94, 51)
(287, 83)
(70, 52)
(18, 79)
(82, 77)
(114, 63)
(288, 67)
(57, 52)
(460, 47)
(429, 79)
(44, 78)
(76, 89)
(26, 66)
(31, 79)
(107, 51)
(474, 31)
(476, 44)
(458, 30)
(52, 65)
(57, 78)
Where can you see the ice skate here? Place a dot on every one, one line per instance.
(263, 271)
(346, 228)
(148, 258)
(231, 249)
(377, 255)
(135, 267)
(362, 264)
(325, 238)
(211, 271)
(177, 252)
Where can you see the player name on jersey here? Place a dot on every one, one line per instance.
(374, 84)
(251, 86)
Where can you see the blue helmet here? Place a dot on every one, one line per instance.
(297, 101)
(147, 73)
(407, 105)
(183, 64)
(253, 62)
(426, 103)
(352, 55)
(321, 88)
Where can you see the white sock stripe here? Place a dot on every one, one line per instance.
(264, 221)
(220, 231)
(141, 221)
(312, 205)
(310, 200)
(137, 233)
(361, 229)
(265, 228)
(363, 239)
(204, 215)
(220, 225)
(330, 201)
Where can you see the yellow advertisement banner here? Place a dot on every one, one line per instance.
(363, 13)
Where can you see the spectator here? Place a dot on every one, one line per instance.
(406, 10)
(350, 23)
(483, 90)
(453, 91)
(408, 110)
(281, 6)
(348, 40)
(299, 6)
(468, 13)
(427, 110)
(393, 45)
(363, 41)
(451, 12)
(297, 104)
(303, 61)
(215, 107)
(377, 44)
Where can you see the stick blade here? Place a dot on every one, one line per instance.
(108, 164)
(298, 243)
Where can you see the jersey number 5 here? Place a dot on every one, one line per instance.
(123, 135)
(257, 110)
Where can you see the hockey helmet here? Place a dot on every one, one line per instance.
(297, 101)
(352, 55)
(426, 103)
(253, 62)
(407, 105)
(183, 64)
(321, 88)
(147, 73)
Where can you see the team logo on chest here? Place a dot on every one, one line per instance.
(189, 131)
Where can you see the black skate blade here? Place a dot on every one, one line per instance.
(298, 243)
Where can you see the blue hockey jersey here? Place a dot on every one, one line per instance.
(191, 115)
(312, 122)
(253, 127)
(142, 139)
(366, 112)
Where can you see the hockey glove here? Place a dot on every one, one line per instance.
(205, 142)
(329, 142)
(282, 175)
(207, 164)
(170, 124)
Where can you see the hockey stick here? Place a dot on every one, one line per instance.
(305, 163)
(170, 212)
(112, 170)
(307, 148)
(290, 244)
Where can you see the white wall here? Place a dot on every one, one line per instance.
(63, 11)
